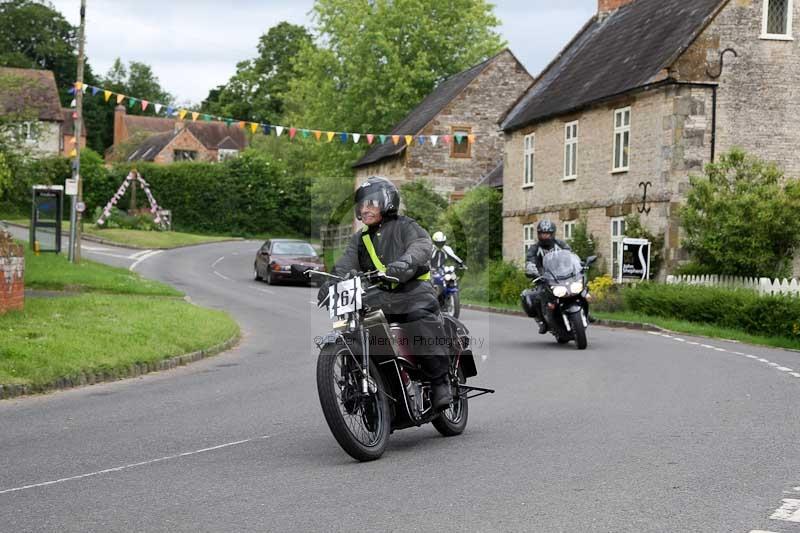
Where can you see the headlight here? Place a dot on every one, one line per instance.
(286, 268)
(576, 287)
(559, 291)
(448, 277)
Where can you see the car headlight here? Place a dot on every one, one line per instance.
(559, 291)
(576, 287)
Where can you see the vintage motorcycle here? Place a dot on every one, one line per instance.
(368, 380)
(566, 296)
(445, 281)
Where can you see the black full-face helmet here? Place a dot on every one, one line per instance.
(379, 192)
(546, 226)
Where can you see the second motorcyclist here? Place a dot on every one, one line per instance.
(547, 243)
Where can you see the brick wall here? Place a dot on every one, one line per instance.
(12, 269)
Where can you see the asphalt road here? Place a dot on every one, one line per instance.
(639, 433)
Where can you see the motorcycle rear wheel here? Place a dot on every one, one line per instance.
(453, 420)
(360, 424)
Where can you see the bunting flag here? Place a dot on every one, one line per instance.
(73, 103)
(254, 127)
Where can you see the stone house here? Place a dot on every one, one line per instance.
(165, 140)
(646, 94)
(469, 103)
(29, 99)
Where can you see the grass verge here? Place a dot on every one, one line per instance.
(678, 326)
(54, 272)
(60, 337)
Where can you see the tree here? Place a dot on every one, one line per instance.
(375, 60)
(741, 218)
(256, 92)
(422, 203)
(474, 226)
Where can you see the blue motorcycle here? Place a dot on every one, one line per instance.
(445, 281)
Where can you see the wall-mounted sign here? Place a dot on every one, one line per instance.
(634, 260)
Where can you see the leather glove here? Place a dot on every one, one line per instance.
(323, 292)
(400, 270)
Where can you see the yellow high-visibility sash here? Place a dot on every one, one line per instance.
(374, 256)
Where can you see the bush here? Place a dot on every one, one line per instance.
(474, 226)
(777, 316)
(499, 282)
(121, 220)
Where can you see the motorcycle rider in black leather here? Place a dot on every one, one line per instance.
(534, 260)
(400, 247)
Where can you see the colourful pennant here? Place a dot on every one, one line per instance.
(278, 130)
(317, 134)
(370, 137)
(182, 113)
(106, 95)
(195, 114)
(78, 85)
(395, 139)
(330, 135)
(421, 140)
(305, 133)
(120, 97)
(471, 138)
(253, 127)
(343, 137)
(71, 90)
(95, 90)
(131, 101)
(157, 107)
(292, 132)
(446, 139)
(264, 128)
(459, 137)
(383, 138)
(144, 105)
(356, 137)
(241, 124)
(170, 110)
(409, 139)
(434, 138)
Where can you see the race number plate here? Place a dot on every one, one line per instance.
(345, 297)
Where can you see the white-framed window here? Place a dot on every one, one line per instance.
(529, 157)
(571, 150)
(27, 132)
(529, 237)
(569, 230)
(777, 19)
(622, 140)
(617, 234)
(226, 153)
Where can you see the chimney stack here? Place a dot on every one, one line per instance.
(119, 125)
(604, 7)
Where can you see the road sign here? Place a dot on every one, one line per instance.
(634, 259)
(80, 207)
(71, 187)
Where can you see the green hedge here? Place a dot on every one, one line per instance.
(738, 309)
(499, 282)
(247, 195)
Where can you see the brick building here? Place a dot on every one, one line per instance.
(468, 103)
(164, 140)
(642, 96)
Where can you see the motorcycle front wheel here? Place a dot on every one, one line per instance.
(361, 424)
(453, 305)
(578, 329)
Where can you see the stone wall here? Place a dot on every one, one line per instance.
(185, 140)
(12, 270)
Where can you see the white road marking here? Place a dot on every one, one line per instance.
(789, 511)
(223, 276)
(721, 349)
(706, 346)
(773, 364)
(784, 369)
(760, 531)
(133, 465)
(654, 333)
(214, 264)
(795, 374)
(137, 255)
(750, 356)
(693, 343)
(762, 360)
(679, 339)
(118, 256)
(144, 257)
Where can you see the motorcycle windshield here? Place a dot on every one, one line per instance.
(561, 265)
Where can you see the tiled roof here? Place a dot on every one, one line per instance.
(137, 124)
(29, 89)
(212, 135)
(151, 147)
(612, 55)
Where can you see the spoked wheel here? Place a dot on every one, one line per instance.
(453, 420)
(360, 423)
(453, 305)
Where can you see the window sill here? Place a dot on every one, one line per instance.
(769, 37)
(620, 171)
(526, 187)
(571, 178)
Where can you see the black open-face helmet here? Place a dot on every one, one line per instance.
(380, 192)
(546, 226)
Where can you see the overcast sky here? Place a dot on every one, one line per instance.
(194, 45)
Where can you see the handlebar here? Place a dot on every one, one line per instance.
(370, 276)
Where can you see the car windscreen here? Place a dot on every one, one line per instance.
(293, 248)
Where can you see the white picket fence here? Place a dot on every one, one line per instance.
(763, 286)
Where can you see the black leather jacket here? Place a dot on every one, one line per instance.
(535, 256)
(394, 239)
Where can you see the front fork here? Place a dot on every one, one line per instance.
(365, 381)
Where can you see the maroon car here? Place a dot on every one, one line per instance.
(275, 258)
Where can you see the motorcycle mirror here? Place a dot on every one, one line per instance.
(591, 259)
